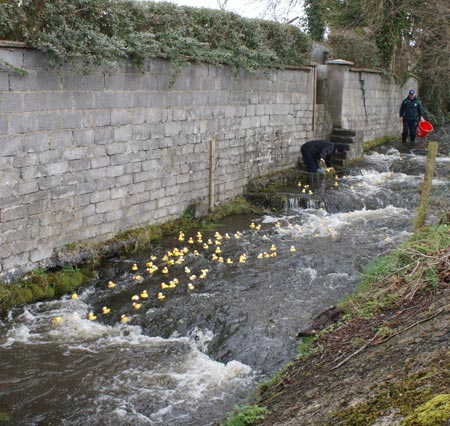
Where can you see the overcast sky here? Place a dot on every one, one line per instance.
(247, 8)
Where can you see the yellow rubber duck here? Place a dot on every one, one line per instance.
(190, 286)
(91, 316)
(124, 319)
(187, 270)
(136, 305)
(217, 250)
(310, 192)
(220, 259)
(205, 246)
(135, 297)
(190, 240)
(105, 310)
(144, 295)
(164, 286)
(299, 184)
(171, 262)
(56, 320)
(273, 247)
(360, 184)
(265, 237)
(172, 284)
(193, 277)
(165, 270)
(258, 227)
(293, 249)
(252, 226)
(111, 284)
(137, 278)
(229, 261)
(237, 236)
(227, 236)
(196, 253)
(266, 255)
(214, 257)
(303, 191)
(74, 296)
(242, 258)
(160, 296)
(217, 236)
(260, 256)
(134, 267)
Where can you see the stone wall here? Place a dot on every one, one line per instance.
(363, 100)
(83, 157)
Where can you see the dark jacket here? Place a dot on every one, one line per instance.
(411, 109)
(320, 149)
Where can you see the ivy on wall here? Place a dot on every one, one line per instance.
(88, 33)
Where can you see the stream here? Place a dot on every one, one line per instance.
(220, 327)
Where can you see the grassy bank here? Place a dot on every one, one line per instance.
(42, 284)
(398, 292)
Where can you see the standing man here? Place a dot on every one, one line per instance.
(410, 115)
(319, 151)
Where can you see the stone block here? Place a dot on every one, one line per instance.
(47, 183)
(41, 253)
(49, 120)
(10, 146)
(36, 142)
(120, 117)
(101, 118)
(104, 100)
(71, 119)
(57, 168)
(74, 81)
(48, 80)
(123, 133)
(74, 153)
(34, 101)
(82, 99)
(60, 139)
(19, 123)
(83, 137)
(11, 102)
(98, 162)
(23, 83)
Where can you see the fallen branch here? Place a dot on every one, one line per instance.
(414, 324)
(357, 352)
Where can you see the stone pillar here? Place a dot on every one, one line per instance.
(337, 72)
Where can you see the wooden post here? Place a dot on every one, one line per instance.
(212, 169)
(421, 211)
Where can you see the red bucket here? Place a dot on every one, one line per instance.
(423, 129)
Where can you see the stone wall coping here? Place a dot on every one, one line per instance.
(340, 62)
(354, 69)
(16, 44)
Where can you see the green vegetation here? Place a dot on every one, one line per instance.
(367, 146)
(421, 389)
(104, 32)
(435, 412)
(40, 285)
(246, 415)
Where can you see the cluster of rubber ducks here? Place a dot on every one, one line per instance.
(177, 256)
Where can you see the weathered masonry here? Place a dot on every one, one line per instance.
(83, 157)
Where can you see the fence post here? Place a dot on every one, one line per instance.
(421, 211)
(212, 167)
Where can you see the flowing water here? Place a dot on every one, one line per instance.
(187, 359)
